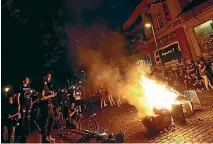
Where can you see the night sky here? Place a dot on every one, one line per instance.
(20, 38)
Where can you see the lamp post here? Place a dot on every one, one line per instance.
(148, 25)
(84, 73)
(6, 91)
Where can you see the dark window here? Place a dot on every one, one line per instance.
(159, 20)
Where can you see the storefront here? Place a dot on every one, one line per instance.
(199, 34)
(173, 49)
(204, 36)
(170, 55)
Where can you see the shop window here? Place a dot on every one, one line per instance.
(159, 20)
(204, 35)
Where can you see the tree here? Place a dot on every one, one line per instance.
(41, 26)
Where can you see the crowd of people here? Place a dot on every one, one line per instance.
(47, 107)
(195, 75)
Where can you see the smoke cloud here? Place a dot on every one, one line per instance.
(102, 52)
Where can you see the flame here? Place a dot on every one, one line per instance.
(157, 95)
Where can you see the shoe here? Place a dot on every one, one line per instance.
(49, 139)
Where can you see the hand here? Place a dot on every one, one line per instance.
(9, 116)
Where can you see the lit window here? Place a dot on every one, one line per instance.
(204, 34)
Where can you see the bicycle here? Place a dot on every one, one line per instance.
(88, 123)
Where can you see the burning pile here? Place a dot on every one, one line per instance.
(160, 101)
(157, 95)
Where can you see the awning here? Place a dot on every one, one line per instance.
(191, 5)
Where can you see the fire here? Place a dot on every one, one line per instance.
(157, 95)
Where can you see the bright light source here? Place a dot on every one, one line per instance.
(148, 25)
(7, 89)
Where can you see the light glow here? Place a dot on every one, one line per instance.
(7, 89)
(148, 25)
(157, 95)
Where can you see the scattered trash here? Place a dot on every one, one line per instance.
(200, 119)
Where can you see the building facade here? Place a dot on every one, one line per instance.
(198, 24)
(180, 36)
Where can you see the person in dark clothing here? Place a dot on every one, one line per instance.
(25, 102)
(188, 82)
(3, 115)
(72, 116)
(46, 110)
(12, 113)
(34, 111)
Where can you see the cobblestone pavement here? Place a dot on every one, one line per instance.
(124, 119)
(199, 127)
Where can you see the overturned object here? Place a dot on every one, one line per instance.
(187, 108)
(158, 121)
(177, 114)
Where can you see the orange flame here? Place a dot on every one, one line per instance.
(157, 95)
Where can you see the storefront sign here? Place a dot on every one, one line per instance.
(171, 54)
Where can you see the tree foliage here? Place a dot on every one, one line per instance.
(41, 24)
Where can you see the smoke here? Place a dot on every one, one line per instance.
(102, 52)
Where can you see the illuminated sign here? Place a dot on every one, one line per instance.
(170, 53)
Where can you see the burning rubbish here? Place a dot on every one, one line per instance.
(157, 95)
(158, 121)
(164, 105)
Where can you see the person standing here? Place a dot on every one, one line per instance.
(46, 110)
(25, 103)
(202, 70)
(12, 113)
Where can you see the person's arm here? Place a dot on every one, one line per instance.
(43, 97)
(203, 69)
(72, 113)
(18, 101)
(11, 116)
(185, 82)
(62, 117)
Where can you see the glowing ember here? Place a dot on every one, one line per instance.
(157, 95)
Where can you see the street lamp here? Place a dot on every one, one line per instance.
(148, 25)
(6, 89)
(83, 72)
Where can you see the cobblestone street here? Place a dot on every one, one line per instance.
(199, 127)
(195, 130)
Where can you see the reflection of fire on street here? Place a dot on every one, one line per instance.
(163, 104)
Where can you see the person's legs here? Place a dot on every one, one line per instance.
(11, 131)
(44, 123)
(12, 134)
(2, 129)
(205, 80)
(22, 126)
(28, 114)
(110, 101)
(74, 123)
(118, 101)
(51, 120)
(102, 100)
